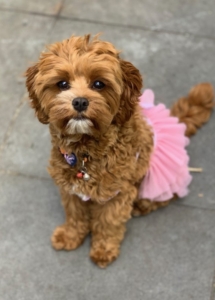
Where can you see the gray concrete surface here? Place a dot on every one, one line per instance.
(168, 255)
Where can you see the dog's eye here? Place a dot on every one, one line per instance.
(98, 85)
(63, 85)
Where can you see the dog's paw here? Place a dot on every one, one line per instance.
(103, 255)
(65, 238)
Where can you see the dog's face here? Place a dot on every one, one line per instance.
(82, 86)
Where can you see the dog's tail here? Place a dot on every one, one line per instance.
(195, 109)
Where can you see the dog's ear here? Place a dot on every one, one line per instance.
(132, 81)
(30, 74)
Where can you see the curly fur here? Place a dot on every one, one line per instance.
(112, 131)
(195, 109)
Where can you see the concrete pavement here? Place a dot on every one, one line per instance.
(168, 255)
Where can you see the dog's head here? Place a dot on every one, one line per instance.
(82, 86)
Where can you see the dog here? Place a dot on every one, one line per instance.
(102, 142)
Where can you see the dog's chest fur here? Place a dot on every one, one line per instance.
(117, 159)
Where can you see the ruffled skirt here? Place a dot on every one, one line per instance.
(168, 173)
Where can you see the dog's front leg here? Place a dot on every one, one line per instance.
(108, 227)
(71, 234)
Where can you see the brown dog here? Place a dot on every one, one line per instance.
(89, 97)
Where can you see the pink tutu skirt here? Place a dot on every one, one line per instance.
(168, 173)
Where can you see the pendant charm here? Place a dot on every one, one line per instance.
(71, 159)
(82, 174)
(86, 176)
(79, 175)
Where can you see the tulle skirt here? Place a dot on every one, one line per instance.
(168, 173)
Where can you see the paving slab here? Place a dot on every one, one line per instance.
(49, 7)
(196, 17)
(167, 255)
(18, 49)
(202, 155)
(19, 26)
(28, 146)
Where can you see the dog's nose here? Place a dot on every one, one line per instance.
(80, 104)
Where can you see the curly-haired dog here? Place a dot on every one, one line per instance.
(103, 141)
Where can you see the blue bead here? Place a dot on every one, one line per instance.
(71, 159)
